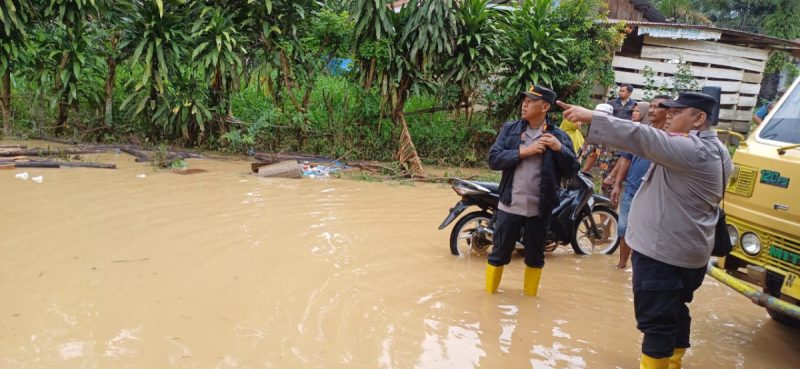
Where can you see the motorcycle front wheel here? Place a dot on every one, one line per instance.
(586, 242)
(469, 235)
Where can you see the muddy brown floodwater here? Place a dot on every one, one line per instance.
(104, 269)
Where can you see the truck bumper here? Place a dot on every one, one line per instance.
(754, 294)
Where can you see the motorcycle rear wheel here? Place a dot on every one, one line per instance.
(467, 237)
(584, 242)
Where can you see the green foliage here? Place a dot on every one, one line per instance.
(532, 52)
(683, 80)
(218, 52)
(14, 27)
(477, 46)
(250, 75)
(561, 47)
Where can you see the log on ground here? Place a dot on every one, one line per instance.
(58, 164)
(49, 151)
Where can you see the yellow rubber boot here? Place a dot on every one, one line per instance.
(531, 282)
(653, 363)
(675, 359)
(493, 274)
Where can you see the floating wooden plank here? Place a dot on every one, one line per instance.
(662, 67)
(665, 53)
(284, 169)
(717, 48)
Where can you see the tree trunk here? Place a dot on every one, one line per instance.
(109, 107)
(5, 101)
(286, 81)
(370, 74)
(61, 122)
(769, 87)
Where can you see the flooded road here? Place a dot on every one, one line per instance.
(105, 269)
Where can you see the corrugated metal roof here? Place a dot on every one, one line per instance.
(733, 34)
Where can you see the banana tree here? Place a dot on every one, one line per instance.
(14, 24)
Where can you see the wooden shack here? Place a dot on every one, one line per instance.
(730, 59)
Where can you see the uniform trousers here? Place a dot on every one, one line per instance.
(507, 229)
(660, 294)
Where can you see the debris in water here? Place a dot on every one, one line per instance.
(23, 176)
(321, 171)
(38, 179)
(142, 175)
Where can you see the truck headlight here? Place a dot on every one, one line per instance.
(734, 233)
(751, 244)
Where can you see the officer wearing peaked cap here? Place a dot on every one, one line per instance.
(682, 188)
(534, 156)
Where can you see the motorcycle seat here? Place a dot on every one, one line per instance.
(491, 186)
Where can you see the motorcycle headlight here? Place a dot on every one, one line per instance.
(734, 233)
(751, 244)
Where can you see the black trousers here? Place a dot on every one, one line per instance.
(660, 294)
(507, 229)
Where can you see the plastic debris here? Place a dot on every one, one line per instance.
(38, 179)
(321, 171)
(23, 176)
(141, 175)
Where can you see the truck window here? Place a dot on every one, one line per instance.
(785, 123)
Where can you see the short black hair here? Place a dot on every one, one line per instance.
(665, 97)
(627, 85)
(709, 119)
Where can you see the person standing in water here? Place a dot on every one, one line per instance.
(682, 187)
(534, 156)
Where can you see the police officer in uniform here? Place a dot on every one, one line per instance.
(683, 187)
(534, 155)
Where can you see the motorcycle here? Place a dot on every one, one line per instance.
(585, 220)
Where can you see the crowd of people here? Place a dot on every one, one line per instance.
(661, 161)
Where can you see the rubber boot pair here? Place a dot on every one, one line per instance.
(531, 281)
(672, 362)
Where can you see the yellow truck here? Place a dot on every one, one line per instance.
(762, 203)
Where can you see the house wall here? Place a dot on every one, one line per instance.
(623, 9)
(737, 70)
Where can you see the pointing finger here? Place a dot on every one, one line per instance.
(563, 105)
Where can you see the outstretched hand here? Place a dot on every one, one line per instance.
(574, 113)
